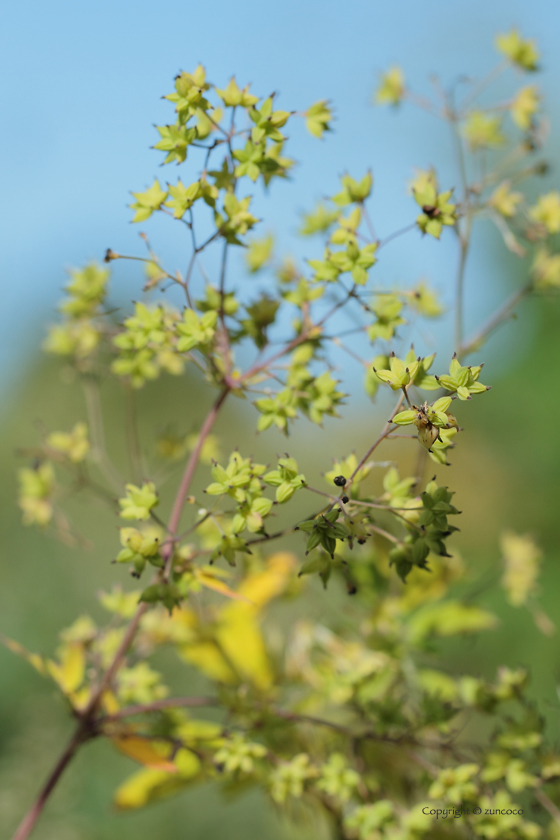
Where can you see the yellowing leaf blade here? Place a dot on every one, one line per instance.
(149, 752)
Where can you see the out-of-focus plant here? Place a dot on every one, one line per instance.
(355, 723)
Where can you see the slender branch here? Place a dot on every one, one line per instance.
(394, 235)
(193, 461)
(153, 259)
(160, 705)
(249, 374)
(482, 85)
(118, 659)
(383, 533)
(196, 251)
(133, 441)
(547, 803)
(27, 824)
(502, 314)
(221, 312)
(421, 102)
(394, 511)
(464, 236)
(460, 286)
(188, 276)
(386, 430)
(83, 730)
(95, 419)
(368, 221)
(304, 336)
(294, 717)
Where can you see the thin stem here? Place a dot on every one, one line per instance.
(394, 235)
(160, 705)
(294, 717)
(133, 440)
(386, 430)
(508, 236)
(421, 102)
(383, 533)
(188, 277)
(387, 509)
(193, 461)
(196, 251)
(460, 287)
(368, 221)
(355, 356)
(286, 531)
(221, 313)
(304, 336)
(547, 803)
(95, 418)
(502, 314)
(249, 374)
(27, 824)
(118, 659)
(153, 259)
(83, 730)
(482, 85)
(464, 236)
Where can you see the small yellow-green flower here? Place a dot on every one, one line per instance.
(318, 118)
(437, 210)
(524, 107)
(483, 131)
(148, 201)
(463, 380)
(74, 444)
(547, 211)
(400, 374)
(391, 87)
(520, 51)
(504, 200)
(35, 494)
(138, 501)
(454, 784)
(546, 270)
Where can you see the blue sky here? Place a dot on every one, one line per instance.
(81, 91)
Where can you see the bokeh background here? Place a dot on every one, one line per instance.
(81, 88)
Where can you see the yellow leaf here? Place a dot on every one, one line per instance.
(149, 752)
(449, 619)
(140, 789)
(69, 674)
(193, 731)
(522, 565)
(187, 763)
(241, 639)
(148, 785)
(238, 651)
(33, 658)
(438, 684)
(262, 587)
(207, 658)
(212, 582)
(109, 703)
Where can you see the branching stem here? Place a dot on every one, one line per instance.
(85, 729)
